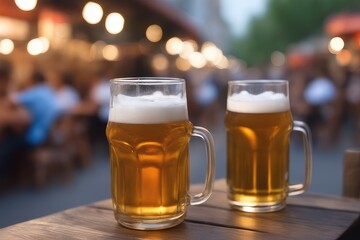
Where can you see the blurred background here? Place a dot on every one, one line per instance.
(57, 56)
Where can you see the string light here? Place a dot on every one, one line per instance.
(92, 13)
(26, 5)
(114, 23)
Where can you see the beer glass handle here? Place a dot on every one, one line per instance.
(306, 135)
(210, 173)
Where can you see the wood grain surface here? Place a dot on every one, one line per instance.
(307, 216)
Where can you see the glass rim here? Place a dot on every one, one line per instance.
(147, 80)
(258, 81)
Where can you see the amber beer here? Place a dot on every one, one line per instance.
(149, 159)
(258, 129)
(149, 133)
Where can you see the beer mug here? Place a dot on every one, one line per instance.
(258, 123)
(149, 133)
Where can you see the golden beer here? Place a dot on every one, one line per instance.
(257, 157)
(149, 169)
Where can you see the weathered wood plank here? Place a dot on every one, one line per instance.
(300, 221)
(308, 199)
(307, 216)
(92, 223)
(293, 222)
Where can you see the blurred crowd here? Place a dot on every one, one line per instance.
(51, 121)
(46, 125)
(327, 97)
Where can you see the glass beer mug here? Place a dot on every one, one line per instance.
(149, 133)
(258, 123)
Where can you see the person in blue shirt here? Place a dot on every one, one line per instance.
(40, 101)
(27, 124)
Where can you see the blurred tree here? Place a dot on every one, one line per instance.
(283, 23)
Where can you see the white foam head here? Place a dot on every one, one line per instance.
(266, 102)
(152, 109)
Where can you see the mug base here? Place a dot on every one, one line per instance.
(258, 208)
(149, 224)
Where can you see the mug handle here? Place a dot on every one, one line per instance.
(205, 135)
(299, 188)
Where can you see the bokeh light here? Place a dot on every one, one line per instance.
(336, 44)
(96, 50)
(188, 47)
(154, 33)
(38, 46)
(223, 63)
(6, 46)
(174, 45)
(278, 59)
(114, 23)
(344, 57)
(182, 64)
(110, 52)
(160, 62)
(92, 13)
(211, 52)
(197, 60)
(26, 5)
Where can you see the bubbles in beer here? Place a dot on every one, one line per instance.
(150, 109)
(266, 102)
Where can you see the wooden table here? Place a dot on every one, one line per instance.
(307, 216)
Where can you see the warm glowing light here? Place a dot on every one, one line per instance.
(38, 46)
(277, 59)
(344, 57)
(223, 63)
(6, 46)
(154, 33)
(182, 64)
(92, 13)
(336, 44)
(197, 60)
(26, 5)
(114, 23)
(110, 52)
(96, 50)
(160, 62)
(188, 48)
(211, 52)
(174, 46)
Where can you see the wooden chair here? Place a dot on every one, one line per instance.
(351, 177)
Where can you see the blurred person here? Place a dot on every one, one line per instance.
(95, 105)
(69, 133)
(299, 107)
(40, 101)
(67, 96)
(14, 119)
(320, 94)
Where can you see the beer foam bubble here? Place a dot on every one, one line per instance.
(155, 108)
(266, 102)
